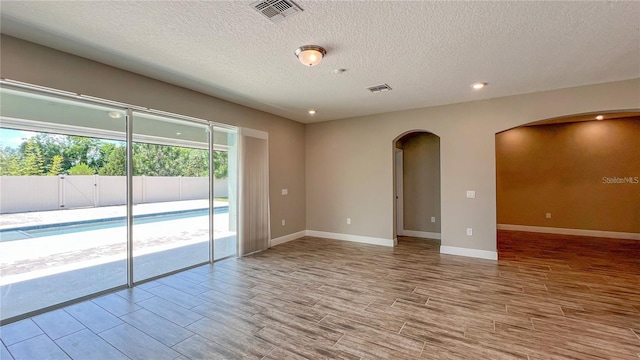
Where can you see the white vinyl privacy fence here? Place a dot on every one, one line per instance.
(40, 193)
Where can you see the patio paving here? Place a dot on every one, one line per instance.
(43, 271)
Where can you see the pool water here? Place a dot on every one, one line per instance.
(28, 232)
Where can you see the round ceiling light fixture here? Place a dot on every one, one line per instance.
(599, 117)
(312, 112)
(114, 114)
(479, 85)
(310, 55)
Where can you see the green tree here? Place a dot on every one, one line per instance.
(32, 162)
(81, 169)
(115, 163)
(50, 146)
(80, 149)
(158, 160)
(9, 161)
(220, 164)
(56, 166)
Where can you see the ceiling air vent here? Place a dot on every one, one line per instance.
(379, 88)
(276, 10)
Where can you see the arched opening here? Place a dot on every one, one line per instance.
(417, 185)
(569, 188)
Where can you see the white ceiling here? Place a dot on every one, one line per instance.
(428, 52)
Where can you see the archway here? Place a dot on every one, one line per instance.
(417, 204)
(567, 185)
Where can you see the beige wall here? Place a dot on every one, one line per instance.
(421, 181)
(31, 63)
(355, 179)
(559, 169)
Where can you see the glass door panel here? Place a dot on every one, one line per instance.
(62, 200)
(171, 224)
(225, 193)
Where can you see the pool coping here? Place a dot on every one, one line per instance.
(113, 218)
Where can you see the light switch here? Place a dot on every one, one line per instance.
(433, 219)
(469, 231)
(285, 191)
(471, 194)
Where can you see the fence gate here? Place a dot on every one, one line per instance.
(78, 191)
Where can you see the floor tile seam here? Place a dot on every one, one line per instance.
(177, 289)
(34, 323)
(74, 332)
(151, 336)
(269, 353)
(85, 325)
(52, 341)
(340, 316)
(155, 313)
(402, 351)
(109, 311)
(180, 305)
(586, 332)
(98, 335)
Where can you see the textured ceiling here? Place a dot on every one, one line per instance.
(428, 52)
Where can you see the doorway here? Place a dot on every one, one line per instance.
(417, 185)
(567, 189)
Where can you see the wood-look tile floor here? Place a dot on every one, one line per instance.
(325, 299)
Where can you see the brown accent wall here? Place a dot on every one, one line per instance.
(421, 181)
(587, 175)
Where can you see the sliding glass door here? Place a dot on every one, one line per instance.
(76, 220)
(171, 192)
(63, 211)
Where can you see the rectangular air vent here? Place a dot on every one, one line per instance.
(379, 88)
(276, 10)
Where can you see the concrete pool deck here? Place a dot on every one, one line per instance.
(43, 271)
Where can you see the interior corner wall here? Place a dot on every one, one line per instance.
(39, 65)
(421, 182)
(355, 179)
(585, 174)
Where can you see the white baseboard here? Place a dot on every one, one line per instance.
(354, 238)
(481, 254)
(565, 231)
(287, 238)
(420, 234)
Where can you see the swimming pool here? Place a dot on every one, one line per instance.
(35, 231)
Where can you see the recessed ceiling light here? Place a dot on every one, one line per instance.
(478, 85)
(312, 112)
(114, 114)
(178, 133)
(599, 117)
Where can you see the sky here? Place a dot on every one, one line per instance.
(13, 138)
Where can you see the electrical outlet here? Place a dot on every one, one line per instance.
(285, 191)
(548, 215)
(433, 219)
(348, 221)
(471, 194)
(469, 231)
(283, 222)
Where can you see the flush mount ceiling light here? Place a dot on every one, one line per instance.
(599, 117)
(310, 55)
(312, 112)
(114, 114)
(478, 85)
